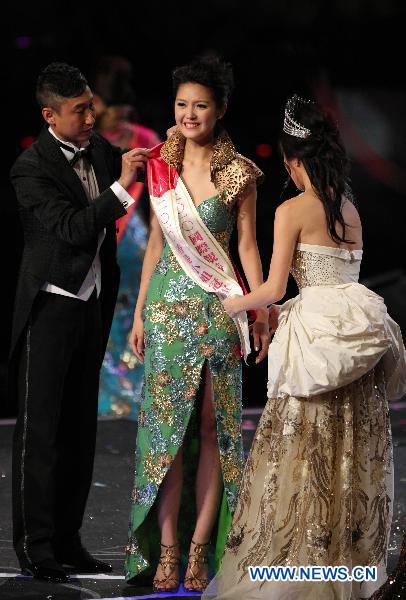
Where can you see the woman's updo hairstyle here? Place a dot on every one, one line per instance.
(210, 71)
(310, 135)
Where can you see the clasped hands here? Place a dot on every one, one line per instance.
(264, 326)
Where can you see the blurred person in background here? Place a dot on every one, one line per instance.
(117, 120)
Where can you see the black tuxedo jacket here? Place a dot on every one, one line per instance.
(61, 227)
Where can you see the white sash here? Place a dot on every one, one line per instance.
(197, 250)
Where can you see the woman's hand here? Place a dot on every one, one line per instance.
(260, 331)
(137, 342)
(232, 305)
(274, 311)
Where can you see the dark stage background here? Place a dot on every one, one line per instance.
(347, 53)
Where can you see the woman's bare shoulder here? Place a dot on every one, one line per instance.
(290, 203)
(350, 213)
(298, 205)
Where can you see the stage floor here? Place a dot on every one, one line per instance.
(105, 526)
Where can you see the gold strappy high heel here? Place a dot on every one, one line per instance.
(168, 561)
(196, 559)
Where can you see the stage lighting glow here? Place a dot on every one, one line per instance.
(264, 150)
(26, 141)
(23, 42)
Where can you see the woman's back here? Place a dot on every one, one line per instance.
(318, 260)
(312, 221)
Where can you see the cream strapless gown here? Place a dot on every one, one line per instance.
(318, 483)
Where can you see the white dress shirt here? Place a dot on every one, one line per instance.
(85, 172)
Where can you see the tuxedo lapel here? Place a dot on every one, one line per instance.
(99, 164)
(57, 162)
(103, 177)
(52, 153)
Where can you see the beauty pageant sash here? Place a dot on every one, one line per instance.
(195, 248)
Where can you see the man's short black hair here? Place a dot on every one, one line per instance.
(59, 81)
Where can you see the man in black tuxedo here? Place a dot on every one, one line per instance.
(71, 187)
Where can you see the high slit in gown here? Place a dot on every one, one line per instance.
(185, 328)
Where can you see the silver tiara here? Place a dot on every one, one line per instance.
(291, 126)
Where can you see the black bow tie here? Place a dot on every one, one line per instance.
(77, 155)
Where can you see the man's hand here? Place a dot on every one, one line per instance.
(131, 163)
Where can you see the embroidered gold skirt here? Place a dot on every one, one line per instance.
(317, 490)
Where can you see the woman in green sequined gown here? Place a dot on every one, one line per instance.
(189, 427)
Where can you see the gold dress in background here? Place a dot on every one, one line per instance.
(318, 483)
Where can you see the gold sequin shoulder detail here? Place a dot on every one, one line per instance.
(230, 172)
(173, 149)
(234, 179)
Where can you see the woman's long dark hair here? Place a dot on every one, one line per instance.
(324, 158)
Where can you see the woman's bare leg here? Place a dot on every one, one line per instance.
(208, 479)
(168, 504)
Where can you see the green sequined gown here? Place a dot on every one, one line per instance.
(184, 327)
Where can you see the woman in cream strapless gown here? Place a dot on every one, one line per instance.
(318, 483)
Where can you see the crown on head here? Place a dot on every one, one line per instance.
(291, 126)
